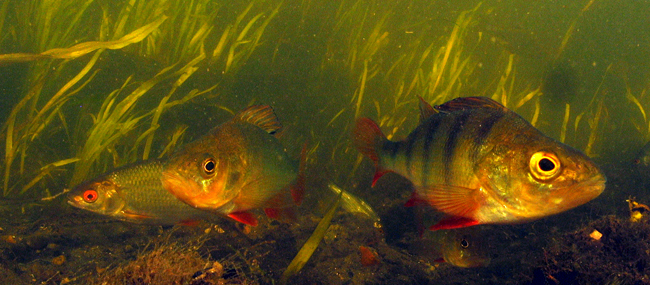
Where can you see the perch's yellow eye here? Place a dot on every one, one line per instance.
(544, 165)
(209, 166)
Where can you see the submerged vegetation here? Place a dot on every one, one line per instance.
(383, 57)
(91, 85)
(175, 45)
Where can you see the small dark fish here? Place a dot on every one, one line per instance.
(459, 247)
(135, 193)
(237, 167)
(481, 163)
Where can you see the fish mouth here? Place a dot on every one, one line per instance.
(73, 203)
(581, 193)
(74, 199)
(594, 186)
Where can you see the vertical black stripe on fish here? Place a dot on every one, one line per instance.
(408, 147)
(452, 141)
(483, 132)
(432, 128)
(390, 148)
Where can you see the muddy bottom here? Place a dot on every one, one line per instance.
(51, 243)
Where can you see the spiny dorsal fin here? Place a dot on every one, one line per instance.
(466, 103)
(261, 116)
(426, 110)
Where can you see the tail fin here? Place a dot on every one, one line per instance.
(298, 187)
(368, 138)
(280, 207)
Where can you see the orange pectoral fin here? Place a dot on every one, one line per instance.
(453, 200)
(454, 223)
(244, 218)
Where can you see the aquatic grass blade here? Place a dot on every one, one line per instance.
(311, 244)
(45, 170)
(86, 47)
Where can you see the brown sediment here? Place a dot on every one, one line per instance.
(620, 256)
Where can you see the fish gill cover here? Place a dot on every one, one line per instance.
(90, 85)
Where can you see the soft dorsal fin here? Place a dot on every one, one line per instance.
(426, 110)
(261, 116)
(466, 103)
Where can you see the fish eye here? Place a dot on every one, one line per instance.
(464, 243)
(637, 161)
(209, 166)
(90, 196)
(544, 165)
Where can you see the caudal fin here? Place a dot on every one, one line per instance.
(282, 206)
(368, 138)
(298, 187)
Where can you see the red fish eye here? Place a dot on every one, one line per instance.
(209, 166)
(90, 196)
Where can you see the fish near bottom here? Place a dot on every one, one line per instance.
(481, 163)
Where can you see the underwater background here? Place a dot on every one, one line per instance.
(89, 85)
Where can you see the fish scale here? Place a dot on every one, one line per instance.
(428, 148)
(236, 167)
(135, 193)
(481, 163)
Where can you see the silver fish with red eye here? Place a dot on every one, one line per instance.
(135, 193)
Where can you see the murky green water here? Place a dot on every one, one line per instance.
(149, 76)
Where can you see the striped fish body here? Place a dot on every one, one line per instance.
(480, 163)
(134, 193)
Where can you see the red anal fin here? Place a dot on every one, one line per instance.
(415, 200)
(287, 215)
(454, 222)
(244, 218)
(440, 260)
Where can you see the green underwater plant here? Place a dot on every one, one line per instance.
(146, 29)
(311, 244)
